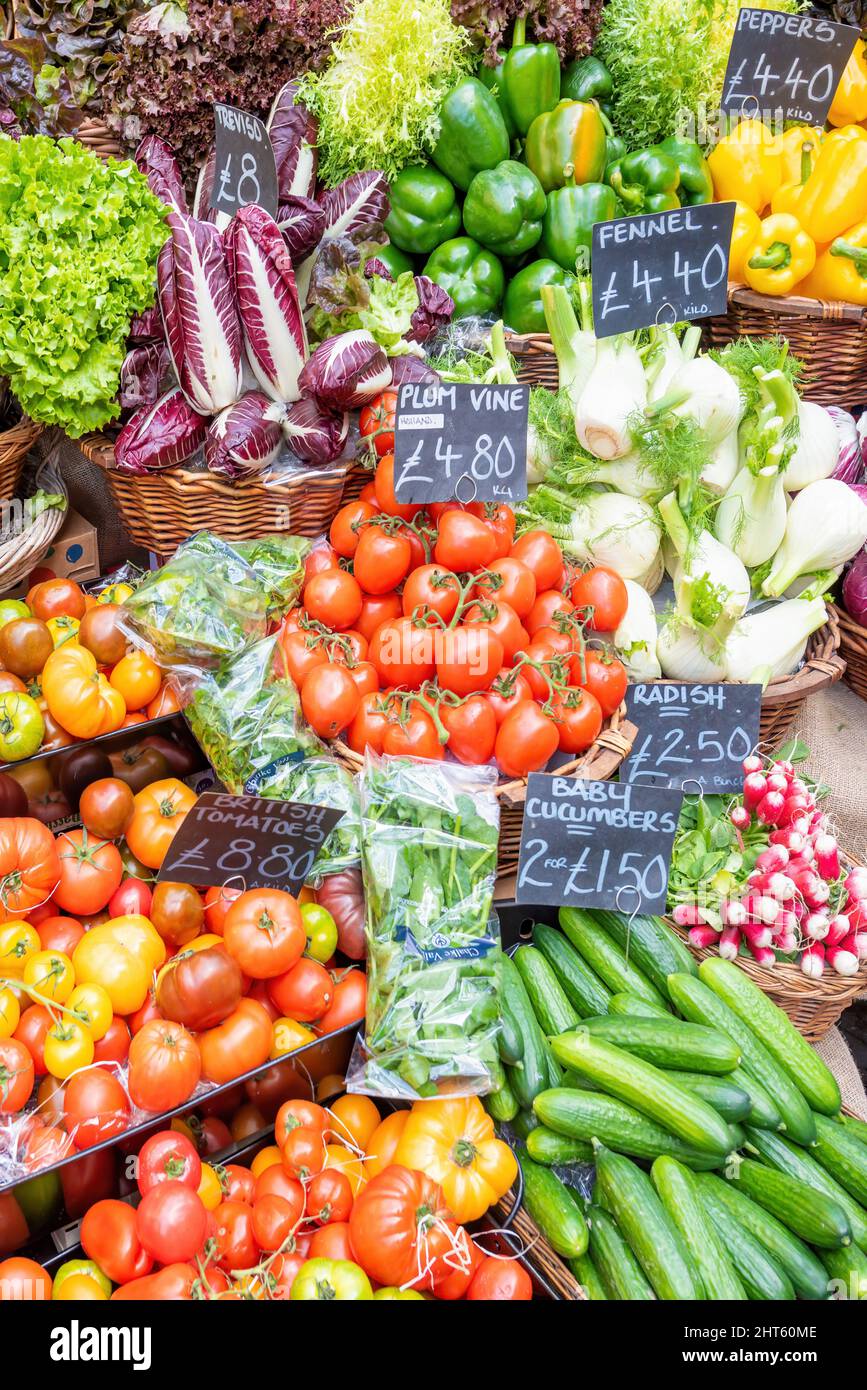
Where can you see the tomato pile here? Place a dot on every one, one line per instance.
(119, 995)
(422, 629)
(345, 1205)
(67, 673)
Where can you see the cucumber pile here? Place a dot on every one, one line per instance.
(724, 1169)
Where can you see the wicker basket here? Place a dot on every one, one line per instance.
(539, 1254)
(536, 359)
(97, 137)
(23, 550)
(829, 337)
(15, 443)
(160, 510)
(853, 645)
(600, 762)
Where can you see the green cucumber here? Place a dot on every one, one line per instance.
(762, 1276)
(728, 1100)
(677, 1190)
(605, 957)
(620, 1272)
(530, 1075)
(855, 1127)
(553, 1208)
(812, 1215)
(788, 1158)
(546, 1146)
(587, 1275)
(524, 1123)
(763, 1112)
(848, 1269)
(633, 1007)
(647, 1088)
(844, 1157)
(799, 1263)
(510, 1042)
(698, 1002)
(502, 1104)
(668, 1043)
(650, 944)
(790, 1050)
(653, 1238)
(584, 990)
(585, 1115)
(550, 1005)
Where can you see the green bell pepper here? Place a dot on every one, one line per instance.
(615, 149)
(493, 80)
(645, 181)
(504, 208)
(567, 227)
(531, 78)
(473, 134)
(696, 184)
(468, 272)
(522, 306)
(391, 257)
(424, 210)
(588, 79)
(571, 137)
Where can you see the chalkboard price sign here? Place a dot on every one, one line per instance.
(785, 66)
(596, 844)
(661, 267)
(257, 842)
(244, 167)
(692, 734)
(461, 441)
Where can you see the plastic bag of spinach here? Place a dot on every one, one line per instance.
(429, 836)
(320, 780)
(278, 563)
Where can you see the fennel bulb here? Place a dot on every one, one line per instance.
(574, 343)
(686, 654)
(710, 397)
(751, 518)
(818, 447)
(721, 471)
(635, 638)
(610, 529)
(772, 642)
(710, 582)
(825, 526)
(615, 389)
(629, 475)
(653, 575)
(666, 360)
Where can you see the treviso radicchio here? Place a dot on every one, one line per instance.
(855, 589)
(141, 375)
(435, 308)
(158, 164)
(293, 133)
(263, 280)
(302, 222)
(346, 371)
(147, 327)
(359, 201)
(160, 436)
(203, 330)
(245, 437)
(315, 433)
(409, 370)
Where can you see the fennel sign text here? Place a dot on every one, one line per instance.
(467, 442)
(596, 844)
(661, 267)
(785, 67)
(248, 842)
(692, 735)
(244, 167)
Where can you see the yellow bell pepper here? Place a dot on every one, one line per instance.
(846, 132)
(835, 195)
(453, 1141)
(745, 230)
(781, 255)
(793, 142)
(747, 165)
(787, 196)
(850, 98)
(840, 271)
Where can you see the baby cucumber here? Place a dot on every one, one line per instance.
(620, 1272)
(605, 957)
(553, 1208)
(789, 1253)
(550, 1005)
(584, 990)
(679, 1194)
(653, 1238)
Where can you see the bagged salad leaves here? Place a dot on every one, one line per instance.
(320, 780)
(429, 834)
(278, 563)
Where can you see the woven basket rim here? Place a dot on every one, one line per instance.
(786, 979)
(847, 623)
(826, 310)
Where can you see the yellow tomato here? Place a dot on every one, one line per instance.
(181, 1127)
(210, 1189)
(18, 942)
(63, 629)
(10, 1012)
(115, 593)
(92, 1005)
(79, 1288)
(289, 1036)
(51, 974)
(137, 678)
(121, 956)
(384, 1141)
(336, 1156)
(68, 1048)
(356, 1118)
(265, 1158)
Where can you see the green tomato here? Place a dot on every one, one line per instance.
(321, 930)
(40, 1199)
(21, 726)
(88, 1267)
(12, 608)
(395, 1295)
(330, 1281)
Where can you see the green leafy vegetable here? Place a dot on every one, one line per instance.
(319, 781)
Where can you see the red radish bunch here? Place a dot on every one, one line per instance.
(797, 897)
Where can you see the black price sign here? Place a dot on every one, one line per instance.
(596, 844)
(692, 734)
(260, 842)
(460, 441)
(785, 66)
(674, 264)
(244, 167)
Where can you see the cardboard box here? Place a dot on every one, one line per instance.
(74, 554)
